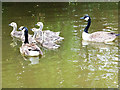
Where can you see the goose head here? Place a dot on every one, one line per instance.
(21, 27)
(36, 32)
(13, 24)
(24, 29)
(40, 24)
(86, 17)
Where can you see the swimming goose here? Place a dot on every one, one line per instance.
(15, 33)
(99, 36)
(46, 42)
(29, 49)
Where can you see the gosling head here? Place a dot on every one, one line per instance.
(13, 24)
(40, 24)
(33, 29)
(86, 17)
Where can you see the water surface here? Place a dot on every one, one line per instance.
(76, 64)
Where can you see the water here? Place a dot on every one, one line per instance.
(76, 64)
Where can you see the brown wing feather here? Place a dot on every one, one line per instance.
(102, 36)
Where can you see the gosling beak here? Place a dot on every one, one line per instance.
(82, 18)
(19, 29)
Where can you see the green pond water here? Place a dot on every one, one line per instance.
(76, 64)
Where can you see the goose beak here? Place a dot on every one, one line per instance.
(31, 29)
(36, 24)
(9, 24)
(82, 18)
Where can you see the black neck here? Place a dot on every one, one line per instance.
(26, 36)
(88, 25)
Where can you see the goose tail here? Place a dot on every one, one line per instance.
(117, 35)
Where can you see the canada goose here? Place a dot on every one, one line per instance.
(15, 33)
(47, 42)
(99, 36)
(29, 49)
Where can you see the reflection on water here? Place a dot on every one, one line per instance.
(14, 42)
(106, 45)
(77, 63)
(33, 60)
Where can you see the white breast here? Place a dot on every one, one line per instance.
(85, 36)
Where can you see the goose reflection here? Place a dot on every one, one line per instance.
(99, 45)
(33, 60)
(14, 42)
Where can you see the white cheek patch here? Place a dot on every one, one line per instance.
(23, 30)
(87, 18)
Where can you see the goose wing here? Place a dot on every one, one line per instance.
(34, 47)
(51, 33)
(102, 36)
(17, 34)
(50, 45)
